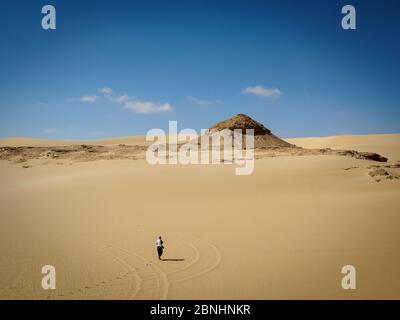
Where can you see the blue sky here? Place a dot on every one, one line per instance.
(117, 68)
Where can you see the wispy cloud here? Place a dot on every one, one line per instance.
(127, 102)
(105, 90)
(121, 99)
(201, 102)
(89, 99)
(133, 104)
(263, 92)
(147, 106)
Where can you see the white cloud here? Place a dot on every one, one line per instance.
(105, 90)
(147, 106)
(202, 102)
(263, 92)
(121, 99)
(89, 99)
(133, 104)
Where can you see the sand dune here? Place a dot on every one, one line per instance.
(283, 232)
(385, 144)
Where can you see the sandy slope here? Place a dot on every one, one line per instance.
(385, 144)
(283, 232)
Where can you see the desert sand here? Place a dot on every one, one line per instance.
(283, 232)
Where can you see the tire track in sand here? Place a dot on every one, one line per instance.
(198, 261)
(148, 272)
(134, 290)
(191, 263)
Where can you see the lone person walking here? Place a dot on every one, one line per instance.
(160, 247)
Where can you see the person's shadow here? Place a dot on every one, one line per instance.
(173, 259)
